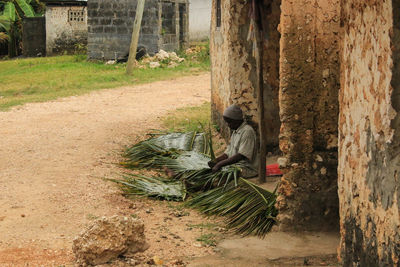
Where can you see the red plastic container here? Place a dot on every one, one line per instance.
(273, 170)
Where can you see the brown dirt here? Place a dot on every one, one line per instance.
(54, 155)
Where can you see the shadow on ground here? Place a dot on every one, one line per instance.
(277, 249)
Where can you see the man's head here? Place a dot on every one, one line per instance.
(233, 116)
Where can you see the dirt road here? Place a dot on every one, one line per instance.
(52, 156)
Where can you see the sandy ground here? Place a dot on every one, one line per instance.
(53, 156)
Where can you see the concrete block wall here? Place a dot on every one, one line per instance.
(369, 133)
(169, 32)
(110, 25)
(34, 37)
(308, 101)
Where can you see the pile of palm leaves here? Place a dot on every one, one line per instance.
(156, 187)
(187, 154)
(152, 152)
(249, 208)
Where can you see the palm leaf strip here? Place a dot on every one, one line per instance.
(154, 187)
(192, 168)
(151, 153)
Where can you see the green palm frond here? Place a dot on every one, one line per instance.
(146, 154)
(9, 12)
(3, 37)
(250, 208)
(26, 8)
(150, 152)
(156, 187)
(192, 167)
(4, 24)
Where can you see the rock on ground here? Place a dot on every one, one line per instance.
(107, 238)
(161, 55)
(154, 65)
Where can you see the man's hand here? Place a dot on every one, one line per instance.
(226, 161)
(218, 161)
(211, 164)
(217, 167)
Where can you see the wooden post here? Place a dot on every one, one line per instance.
(260, 97)
(135, 37)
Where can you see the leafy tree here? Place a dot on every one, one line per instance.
(13, 11)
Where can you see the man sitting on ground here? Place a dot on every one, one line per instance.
(241, 150)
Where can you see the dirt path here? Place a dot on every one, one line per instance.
(53, 154)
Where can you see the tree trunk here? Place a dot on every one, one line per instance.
(12, 47)
(260, 95)
(135, 37)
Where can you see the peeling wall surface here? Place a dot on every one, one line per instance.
(62, 33)
(233, 67)
(369, 139)
(308, 99)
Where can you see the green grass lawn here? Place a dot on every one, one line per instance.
(43, 79)
(188, 119)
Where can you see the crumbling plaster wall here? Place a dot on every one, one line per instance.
(369, 140)
(308, 99)
(61, 33)
(234, 76)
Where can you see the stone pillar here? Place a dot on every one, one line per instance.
(309, 84)
(369, 130)
(233, 67)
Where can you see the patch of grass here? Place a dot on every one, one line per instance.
(208, 239)
(208, 226)
(48, 78)
(188, 119)
(135, 216)
(92, 217)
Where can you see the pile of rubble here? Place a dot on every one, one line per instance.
(161, 59)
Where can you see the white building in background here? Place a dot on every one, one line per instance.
(199, 19)
(66, 25)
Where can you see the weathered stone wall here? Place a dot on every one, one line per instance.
(309, 85)
(110, 25)
(34, 37)
(369, 139)
(62, 33)
(234, 74)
